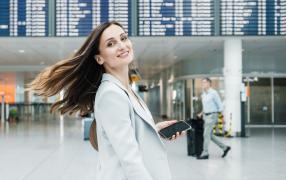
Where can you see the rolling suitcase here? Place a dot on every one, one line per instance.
(191, 142)
(86, 123)
(195, 138)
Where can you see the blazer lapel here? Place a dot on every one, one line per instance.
(144, 106)
(144, 114)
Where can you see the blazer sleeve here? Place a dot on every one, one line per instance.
(113, 113)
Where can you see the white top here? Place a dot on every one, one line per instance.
(211, 101)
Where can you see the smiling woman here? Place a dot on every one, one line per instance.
(97, 80)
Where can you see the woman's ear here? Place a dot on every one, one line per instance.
(98, 59)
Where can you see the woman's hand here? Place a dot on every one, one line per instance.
(163, 124)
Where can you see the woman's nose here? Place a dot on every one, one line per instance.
(121, 45)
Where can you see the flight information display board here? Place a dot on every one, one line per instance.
(152, 17)
(24, 18)
(253, 17)
(79, 17)
(175, 17)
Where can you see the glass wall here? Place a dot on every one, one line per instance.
(154, 101)
(189, 97)
(260, 102)
(178, 100)
(266, 103)
(279, 100)
(217, 84)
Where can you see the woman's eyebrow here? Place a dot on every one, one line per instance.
(109, 39)
(114, 38)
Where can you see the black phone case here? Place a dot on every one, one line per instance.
(171, 130)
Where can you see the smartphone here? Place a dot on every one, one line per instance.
(171, 130)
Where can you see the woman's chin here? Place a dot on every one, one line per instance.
(130, 60)
(126, 60)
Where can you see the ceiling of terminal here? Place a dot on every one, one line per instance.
(152, 54)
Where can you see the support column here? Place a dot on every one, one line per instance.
(163, 93)
(3, 108)
(232, 81)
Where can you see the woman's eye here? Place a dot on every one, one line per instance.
(124, 38)
(109, 44)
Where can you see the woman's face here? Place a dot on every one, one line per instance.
(115, 48)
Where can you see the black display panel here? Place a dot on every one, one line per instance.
(24, 18)
(253, 17)
(79, 17)
(175, 17)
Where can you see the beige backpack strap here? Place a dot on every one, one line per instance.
(93, 135)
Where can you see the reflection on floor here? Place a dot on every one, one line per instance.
(54, 150)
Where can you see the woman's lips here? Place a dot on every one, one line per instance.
(124, 54)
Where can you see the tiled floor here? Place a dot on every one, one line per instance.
(54, 150)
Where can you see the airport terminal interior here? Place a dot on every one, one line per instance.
(239, 44)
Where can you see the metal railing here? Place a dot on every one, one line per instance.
(21, 111)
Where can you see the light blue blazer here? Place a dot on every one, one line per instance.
(129, 145)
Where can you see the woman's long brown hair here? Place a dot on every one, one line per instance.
(79, 77)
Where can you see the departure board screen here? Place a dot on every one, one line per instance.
(24, 18)
(79, 17)
(151, 17)
(175, 17)
(253, 17)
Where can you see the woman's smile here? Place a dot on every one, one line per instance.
(123, 54)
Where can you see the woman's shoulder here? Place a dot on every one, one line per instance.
(110, 94)
(106, 88)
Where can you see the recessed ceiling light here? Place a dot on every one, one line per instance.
(21, 51)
